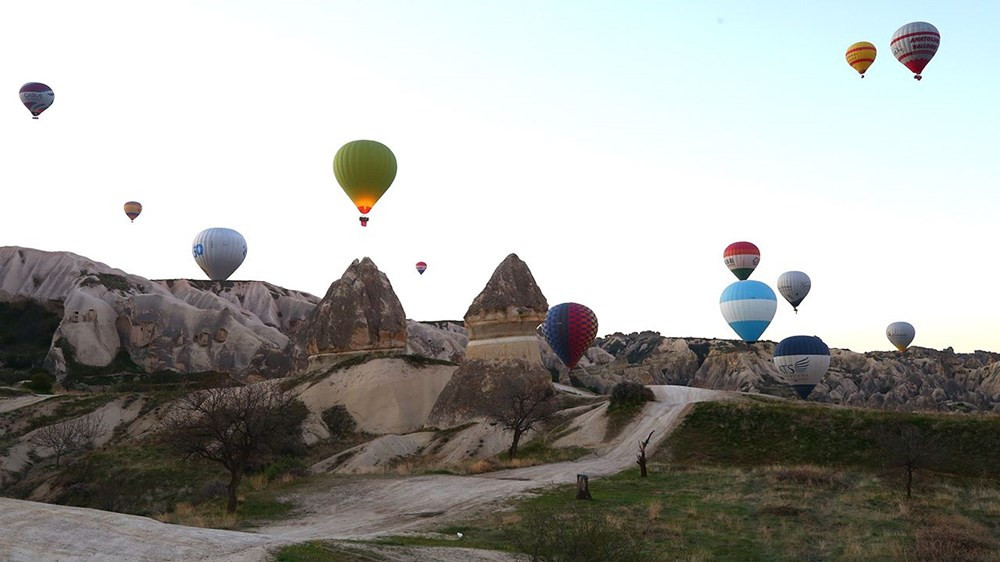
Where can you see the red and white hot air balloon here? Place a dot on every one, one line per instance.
(421, 267)
(741, 258)
(914, 45)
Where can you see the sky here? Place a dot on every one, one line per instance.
(616, 147)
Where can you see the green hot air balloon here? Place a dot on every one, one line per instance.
(365, 170)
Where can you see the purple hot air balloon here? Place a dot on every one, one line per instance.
(37, 97)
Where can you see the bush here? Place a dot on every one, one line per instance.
(41, 383)
(339, 421)
(627, 395)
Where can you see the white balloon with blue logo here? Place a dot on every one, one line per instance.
(802, 361)
(219, 252)
(748, 307)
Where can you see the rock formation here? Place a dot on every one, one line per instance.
(502, 319)
(359, 314)
(920, 379)
(503, 346)
(109, 317)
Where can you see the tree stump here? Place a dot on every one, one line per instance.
(583, 487)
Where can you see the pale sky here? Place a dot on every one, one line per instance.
(616, 147)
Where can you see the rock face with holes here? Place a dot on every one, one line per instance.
(119, 321)
(502, 319)
(359, 314)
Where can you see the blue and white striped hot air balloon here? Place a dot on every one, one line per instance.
(749, 307)
(802, 361)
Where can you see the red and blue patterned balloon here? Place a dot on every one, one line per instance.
(570, 329)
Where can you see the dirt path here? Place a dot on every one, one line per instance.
(11, 404)
(353, 508)
(333, 508)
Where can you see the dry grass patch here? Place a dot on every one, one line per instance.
(954, 538)
(807, 475)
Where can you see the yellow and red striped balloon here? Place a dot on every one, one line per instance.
(860, 56)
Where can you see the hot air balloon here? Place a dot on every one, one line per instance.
(900, 334)
(570, 328)
(802, 361)
(860, 56)
(914, 45)
(37, 97)
(132, 209)
(421, 267)
(748, 307)
(219, 252)
(741, 258)
(794, 286)
(365, 170)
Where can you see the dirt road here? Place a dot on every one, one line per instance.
(333, 508)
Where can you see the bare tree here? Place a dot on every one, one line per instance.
(640, 459)
(519, 404)
(235, 427)
(69, 436)
(908, 448)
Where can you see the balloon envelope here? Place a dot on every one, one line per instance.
(794, 286)
(132, 209)
(748, 307)
(37, 97)
(900, 334)
(421, 267)
(570, 329)
(219, 252)
(741, 258)
(860, 56)
(802, 361)
(914, 45)
(364, 169)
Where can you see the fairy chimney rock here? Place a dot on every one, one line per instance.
(502, 319)
(359, 314)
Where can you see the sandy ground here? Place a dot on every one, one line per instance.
(11, 404)
(333, 508)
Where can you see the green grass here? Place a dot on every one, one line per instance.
(753, 433)
(765, 480)
(317, 551)
(765, 513)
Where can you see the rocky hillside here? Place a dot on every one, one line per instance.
(920, 379)
(106, 318)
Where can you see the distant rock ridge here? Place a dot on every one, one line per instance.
(166, 325)
(502, 319)
(359, 314)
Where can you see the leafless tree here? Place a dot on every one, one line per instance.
(235, 427)
(519, 404)
(69, 436)
(908, 448)
(640, 459)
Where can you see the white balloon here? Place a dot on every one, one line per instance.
(219, 252)
(900, 334)
(794, 286)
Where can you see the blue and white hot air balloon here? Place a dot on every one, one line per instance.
(749, 307)
(802, 361)
(219, 252)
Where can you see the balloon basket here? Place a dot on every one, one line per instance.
(364, 221)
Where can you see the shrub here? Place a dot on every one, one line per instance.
(628, 395)
(41, 383)
(339, 421)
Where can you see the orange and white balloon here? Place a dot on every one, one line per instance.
(914, 45)
(860, 56)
